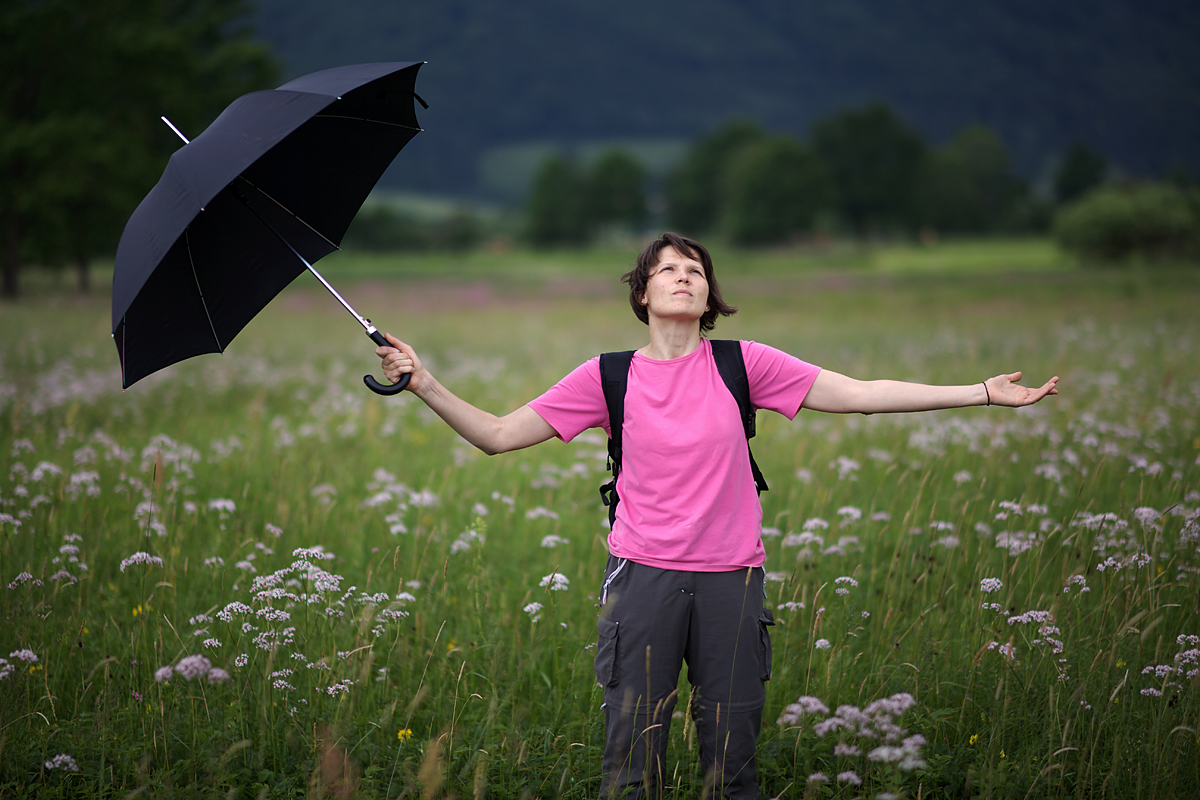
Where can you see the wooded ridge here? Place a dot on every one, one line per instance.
(1122, 76)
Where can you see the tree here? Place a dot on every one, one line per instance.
(555, 206)
(1082, 169)
(1112, 223)
(874, 157)
(776, 189)
(80, 136)
(967, 186)
(614, 193)
(695, 190)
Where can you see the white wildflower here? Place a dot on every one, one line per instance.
(222, 506)
(849, 514)
(141, 558)
(556, 581)
(191, 667)
(64, 762)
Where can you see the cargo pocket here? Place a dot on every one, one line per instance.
(606, 652)
(765, 620)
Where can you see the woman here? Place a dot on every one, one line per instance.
(684, 577)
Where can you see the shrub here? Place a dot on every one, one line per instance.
(1149, 220)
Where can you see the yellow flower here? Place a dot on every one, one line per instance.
(1002, 754)
(974, 738)
(137, 610)
(1120, 663)
(404, 734)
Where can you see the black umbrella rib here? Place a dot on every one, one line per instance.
(295, 216)
(200, 291)
(368, 119)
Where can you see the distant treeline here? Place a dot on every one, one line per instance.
(81, 143)
(864, 173)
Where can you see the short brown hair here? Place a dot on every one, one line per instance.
(639, 276)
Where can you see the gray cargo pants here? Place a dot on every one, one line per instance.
(651, 621)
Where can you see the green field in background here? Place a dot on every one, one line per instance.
(412, 651)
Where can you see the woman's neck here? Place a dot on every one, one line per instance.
(670, 339)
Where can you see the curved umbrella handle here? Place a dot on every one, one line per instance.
(374, 385)
(387, 389)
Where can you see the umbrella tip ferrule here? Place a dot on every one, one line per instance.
(178, 133)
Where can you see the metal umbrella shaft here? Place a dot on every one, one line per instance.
(371, 330)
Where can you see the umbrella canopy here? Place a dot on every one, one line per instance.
(272, 184)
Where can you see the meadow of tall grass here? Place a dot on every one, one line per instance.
(247, 576)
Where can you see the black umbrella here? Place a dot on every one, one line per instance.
(249, 204)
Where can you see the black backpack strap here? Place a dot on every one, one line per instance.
(732, 366)
(614, 377)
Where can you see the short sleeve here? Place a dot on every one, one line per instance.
(575, 403)
(778, 381)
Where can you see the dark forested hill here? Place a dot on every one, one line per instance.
(1121, 75)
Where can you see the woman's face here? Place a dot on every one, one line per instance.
(676, 288)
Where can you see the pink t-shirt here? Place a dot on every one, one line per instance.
(688, 500)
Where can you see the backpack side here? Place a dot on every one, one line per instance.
(614, 378)
(732, 366)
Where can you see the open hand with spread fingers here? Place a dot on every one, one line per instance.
(1003, 390)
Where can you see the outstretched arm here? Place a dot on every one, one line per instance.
(491, 434)
(838, 394)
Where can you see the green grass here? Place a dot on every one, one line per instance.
(972, 256)
(480, 700)
(501, 263)
(504, 263)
